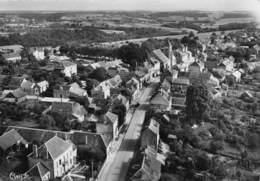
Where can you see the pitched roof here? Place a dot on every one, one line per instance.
(67, 63)
(154, 126)
(11, 55)
(161, 56)
(10, 138)
(26, 84)
(150, 170)
(57, 146)
(181, 81)
(78, 138)
(161, 97)
(38, 170)
(108, 117)
(43, 83)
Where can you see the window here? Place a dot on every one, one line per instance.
(60, 161)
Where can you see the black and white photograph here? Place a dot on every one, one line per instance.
(129, 90)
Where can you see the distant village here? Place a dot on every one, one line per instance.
(64, 118)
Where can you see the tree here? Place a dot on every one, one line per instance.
(99, 74)
(197, 100)
(47, 122)
(120, 110)
(90, 84)
(132, 54)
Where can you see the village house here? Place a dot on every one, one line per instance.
(57, 155)
(210, 80)
(134, 86)
(164, 60)
(62, 92)
(161, 101)
(121, 100)
(150, 170)
(9, 139)
(227, 64)
(34, 88)
(107, 125)
(150, 136)
(166, 85)
(237, 75)
(101, 91)
(178, 103)
(76, 91)
(68, 68)
(85, 141)
(12, 57)
(38, 53)
(179, 86)
(13, 96)
(70, 109)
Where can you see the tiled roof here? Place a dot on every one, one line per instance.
(10, 138)
(26, 84)
(38, 170)
(57, 146)
(182, 81)
(161, 56)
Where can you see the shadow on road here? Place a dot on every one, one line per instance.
(128, 145)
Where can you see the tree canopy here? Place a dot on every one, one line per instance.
(197, 100)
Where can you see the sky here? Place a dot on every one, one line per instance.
(156, 5)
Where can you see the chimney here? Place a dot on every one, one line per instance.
(35, 151)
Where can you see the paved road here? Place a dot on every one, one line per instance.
(116, 169)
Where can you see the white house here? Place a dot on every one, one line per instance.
(57, 155)
(68, 68)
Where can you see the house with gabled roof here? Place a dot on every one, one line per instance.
(166, 85)
(57, 155)
(11, 138)
(161, 100)
(108, 124)
(150, 170)
(38, 172)
(12, 57)
(85, 141)
(13, 96)
(151, 136)
(70, 109)
(76, 91)
(67, 67)
(133, 85)
(179, 86)
(164, 60)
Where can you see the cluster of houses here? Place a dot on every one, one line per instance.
(154, 153)
(49, 154)
(55, 154)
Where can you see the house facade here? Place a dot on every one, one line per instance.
(57, 155)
